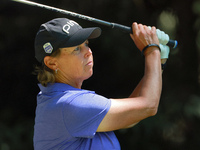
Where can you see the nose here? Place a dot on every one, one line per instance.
(88, 52)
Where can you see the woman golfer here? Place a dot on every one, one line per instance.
(71, 118)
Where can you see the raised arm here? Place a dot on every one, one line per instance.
(127, 111)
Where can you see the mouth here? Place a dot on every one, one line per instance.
(90, 63)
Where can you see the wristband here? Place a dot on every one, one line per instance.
(150, 45)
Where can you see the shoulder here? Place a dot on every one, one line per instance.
(84, 98)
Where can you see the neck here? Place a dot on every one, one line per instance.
(77, 83)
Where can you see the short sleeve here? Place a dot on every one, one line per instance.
(84, 113)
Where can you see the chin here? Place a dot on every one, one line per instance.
(89, 75)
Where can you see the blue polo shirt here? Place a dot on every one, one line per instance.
(67, 119)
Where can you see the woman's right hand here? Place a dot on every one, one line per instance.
(143, 36)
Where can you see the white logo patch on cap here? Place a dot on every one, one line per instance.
(48, 48)
(68, 26)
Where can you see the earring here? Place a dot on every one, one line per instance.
(56, 71)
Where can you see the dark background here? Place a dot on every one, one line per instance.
(118, 68)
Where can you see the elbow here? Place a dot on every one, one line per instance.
(150, 112)
(153, 112)
(152, 108)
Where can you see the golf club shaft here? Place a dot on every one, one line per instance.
(171, 43)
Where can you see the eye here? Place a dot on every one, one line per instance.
(77, 48)
(86, 44)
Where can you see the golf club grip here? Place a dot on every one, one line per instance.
(171, 43)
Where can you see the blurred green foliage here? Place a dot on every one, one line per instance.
(118, 68)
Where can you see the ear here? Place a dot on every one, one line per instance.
(50, 62)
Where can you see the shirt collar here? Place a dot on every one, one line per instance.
(57, 87)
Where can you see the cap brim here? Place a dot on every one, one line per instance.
(81, 35)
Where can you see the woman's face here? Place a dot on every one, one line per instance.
(75, 64)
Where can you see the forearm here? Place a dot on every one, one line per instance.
(152, 80)
(137, 90)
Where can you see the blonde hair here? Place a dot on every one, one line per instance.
(46, 75)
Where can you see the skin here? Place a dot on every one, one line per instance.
(75, 65)
(143, 101)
